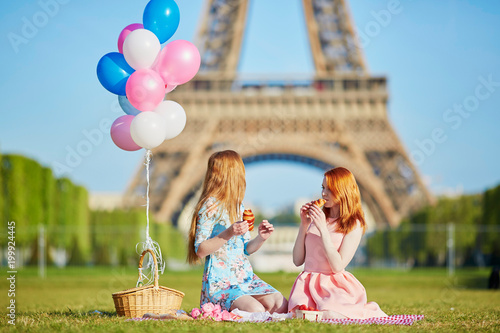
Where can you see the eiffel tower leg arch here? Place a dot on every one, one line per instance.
(373, 198)
(380, 209)
(370, 186)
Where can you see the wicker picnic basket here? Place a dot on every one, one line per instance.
(135, 302)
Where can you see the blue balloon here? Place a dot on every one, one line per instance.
(127, 107)
(162, 18)
(113, 72)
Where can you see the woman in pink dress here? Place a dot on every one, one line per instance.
(325, 244)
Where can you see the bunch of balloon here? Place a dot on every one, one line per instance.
(142, 73)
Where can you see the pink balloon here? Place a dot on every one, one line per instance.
(120, 133)
(145, 89)
(128, 29)
(178, 62)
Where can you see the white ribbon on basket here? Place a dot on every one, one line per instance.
(147, 272)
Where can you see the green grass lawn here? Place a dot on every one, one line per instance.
(65, 300)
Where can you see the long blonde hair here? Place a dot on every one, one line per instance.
(345, 190)
(225, 181)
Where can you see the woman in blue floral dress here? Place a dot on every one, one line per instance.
(219, 236)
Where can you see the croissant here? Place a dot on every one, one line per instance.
(319, 202)
(249, 217)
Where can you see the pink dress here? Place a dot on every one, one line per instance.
(319, 287)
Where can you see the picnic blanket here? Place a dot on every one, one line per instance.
(263, 317)
(390, 320)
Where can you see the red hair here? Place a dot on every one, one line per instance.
(345, 191)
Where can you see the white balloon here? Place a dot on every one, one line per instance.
(140, 48)
(148, 129)
(175, 118)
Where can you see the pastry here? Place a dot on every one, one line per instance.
(319, 202)
(249, 217)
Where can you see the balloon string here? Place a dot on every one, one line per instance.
(148, 162)
(148, 278)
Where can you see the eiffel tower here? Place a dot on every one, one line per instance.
(337, 118)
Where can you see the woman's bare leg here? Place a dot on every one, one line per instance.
(247, 303)
(273, 302)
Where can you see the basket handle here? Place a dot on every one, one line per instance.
(155, 262)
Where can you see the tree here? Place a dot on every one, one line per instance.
(79, 226)
(489, 241)
(16, 197)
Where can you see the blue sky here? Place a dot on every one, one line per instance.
(437, 56)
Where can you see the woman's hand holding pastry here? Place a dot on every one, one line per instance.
(265, 229)
(239, 228)
(318, 217)
(304, 215)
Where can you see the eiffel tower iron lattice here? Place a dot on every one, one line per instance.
(337, 118)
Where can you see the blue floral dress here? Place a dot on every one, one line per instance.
(228, 273)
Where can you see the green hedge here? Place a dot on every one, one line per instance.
(31, 196)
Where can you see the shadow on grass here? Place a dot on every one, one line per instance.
(474, 282)
(79, 314)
